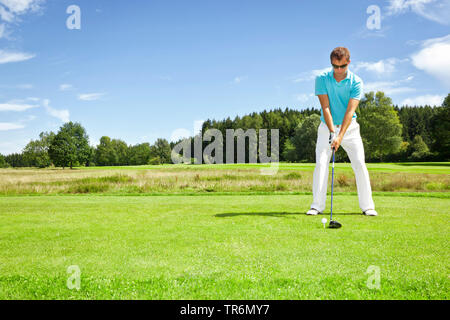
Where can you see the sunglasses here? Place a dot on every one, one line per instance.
(339, 67)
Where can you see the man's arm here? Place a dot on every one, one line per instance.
(325, 103)
(351, 108)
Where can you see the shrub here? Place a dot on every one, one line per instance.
(292, 176)
(343, 180)
(155, 161)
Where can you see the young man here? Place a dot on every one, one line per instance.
(339, 92)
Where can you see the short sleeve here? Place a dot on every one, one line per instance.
(320, 85)
(357, 90)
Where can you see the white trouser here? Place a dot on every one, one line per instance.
(353, 146)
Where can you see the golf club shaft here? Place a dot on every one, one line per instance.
(332, 183)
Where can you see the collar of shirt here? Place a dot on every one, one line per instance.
(331, 75)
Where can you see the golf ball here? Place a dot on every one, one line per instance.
(324, 220)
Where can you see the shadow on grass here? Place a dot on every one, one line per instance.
(280, 214)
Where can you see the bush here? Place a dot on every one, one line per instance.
(343, 181)
(3, 163)
(292, 176)
(88, 188)
(155, 161)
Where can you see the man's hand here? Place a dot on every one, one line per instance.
(336, 143)
(332, 137)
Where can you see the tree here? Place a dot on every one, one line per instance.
(15, 160)
(379, 126)
(121, 149)
(419, 148)
(80, 140)
(105, 154)
(155, 161)
(62, 150)
(161, 150)
(140, 154)
(36, 151)
(290, 152)
(70, 146)
(304, 139)
(441, 130)
(91, 161)
(3, 163)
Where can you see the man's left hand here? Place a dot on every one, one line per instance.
(336, 143)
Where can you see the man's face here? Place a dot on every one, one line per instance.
(339, 63)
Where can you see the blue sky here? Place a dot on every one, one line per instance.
(141, 70)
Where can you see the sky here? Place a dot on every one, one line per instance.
(139, 70)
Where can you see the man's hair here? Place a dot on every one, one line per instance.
(339, 53)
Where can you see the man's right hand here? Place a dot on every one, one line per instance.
(332, 137)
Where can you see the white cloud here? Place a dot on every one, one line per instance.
(11, 106)
(389, 87)
(10, 56)
(65, 87)
(25, 86)
(29, 118)
(380, 67)
(365, 33)
(303, 97)
(179, 134)
(6, 15)
(310, 75)
(239, 79)
(431, 100)
(62, 115)
(434, 10)
(90, 96)
(9, 147)
(21, 105)
(434, 58)
(18, 7)
(6, 126)
(2, 30)
(11, 10)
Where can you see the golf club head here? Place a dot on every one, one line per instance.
(334, 225)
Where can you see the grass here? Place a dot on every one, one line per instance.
(417, 167)
(221, 247)
(221, 232)
(185, 179)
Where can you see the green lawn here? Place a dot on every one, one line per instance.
(417, 167)
(221, 247)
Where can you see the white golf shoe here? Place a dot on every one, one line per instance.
(370, 212)
(313, 212)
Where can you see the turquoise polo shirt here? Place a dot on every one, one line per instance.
(339, 93)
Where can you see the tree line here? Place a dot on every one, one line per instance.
(70, 147)
(390, 133)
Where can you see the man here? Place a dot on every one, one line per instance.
(339, 92)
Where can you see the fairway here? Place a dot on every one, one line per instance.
(221, 247)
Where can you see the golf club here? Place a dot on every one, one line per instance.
(333, 224)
